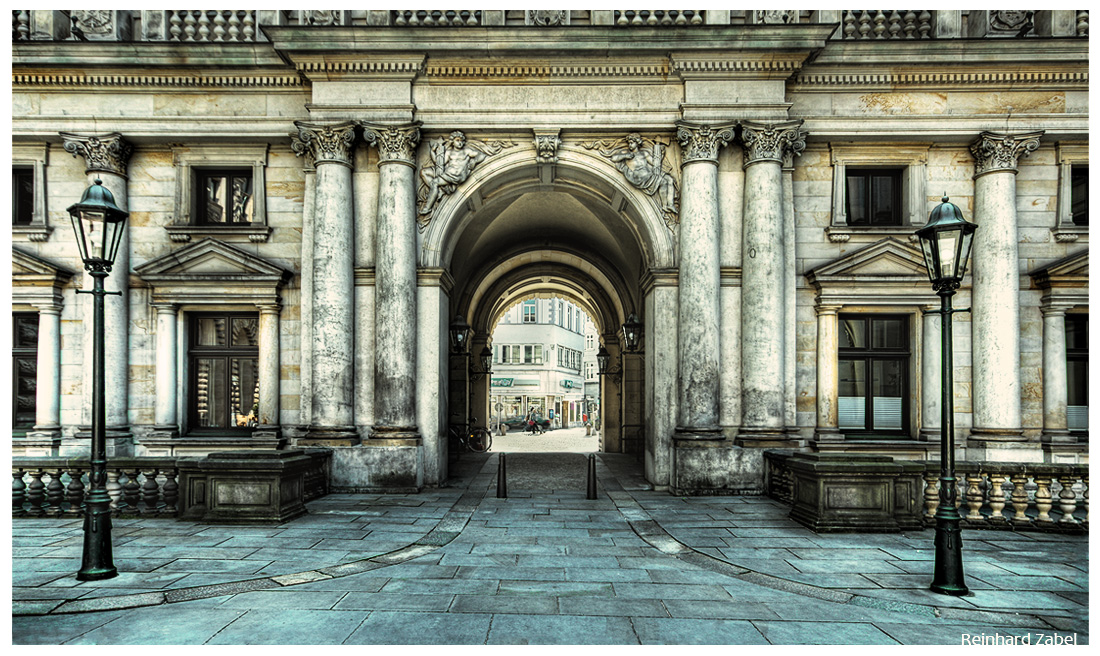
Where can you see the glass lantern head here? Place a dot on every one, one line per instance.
(99, 225)
(945, 242)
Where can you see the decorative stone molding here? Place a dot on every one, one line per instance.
(547, 143)
(895, 81)
(104, 152)
(449, 164)
(465, 69)
(886, 273)
(403, 66)
(186, 159)
(770, 141)
(155, 81)
(100, 25)
(911, 158)
(548, 17)
(642, 163)
(321, 17)
(210, 272)
(1001, 152)
(702, 142)
(34, 157)
(36, 282)
(775, 16)
(395, 143)
(1068, 156)
(324, 143)
(1064, 282)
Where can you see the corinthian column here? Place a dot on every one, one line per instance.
(995, 324)
(395, 282)
(699, 280)
(1055, 391)
(763, 305)
(106, 157)
(332, 391)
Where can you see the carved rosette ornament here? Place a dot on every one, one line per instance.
(1001, 152)
(396, 143)
(702, 142)
(324, 143)
(546, 146)
(772, 141)
(104, 152)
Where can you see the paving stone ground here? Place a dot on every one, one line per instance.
(544, 566)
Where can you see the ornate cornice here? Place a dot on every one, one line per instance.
(930, 79)
(563, 70)
(772, 141)
(156, 81)
(1001, 152)
(395, 143)
(410, 66)
(700, 142)
(324, 143)
(104, 152)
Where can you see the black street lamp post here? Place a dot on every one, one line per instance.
(99, 225)
(945, 241)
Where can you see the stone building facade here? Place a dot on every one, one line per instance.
(313, 195)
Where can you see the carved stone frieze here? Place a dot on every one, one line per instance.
(548, 17)
(702, 142)
(775, 16)
(103, 152)
(450, 162)
(395, 143)
(772, 141)
(324, 143)
(642, 162)
(100, 25)
(1010, 20)
(1001, 152)
(321, 17)
(547, 143)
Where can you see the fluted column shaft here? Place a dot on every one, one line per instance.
(106, 158)
(763, 305)
(395, 280)
(699, 290)
(332, 391)
(1055, 389)
(165, 414)
(47, 411)
(269, 367)
(995, 324)
(828, 380)
(931, 376)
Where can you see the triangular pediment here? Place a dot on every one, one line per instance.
(207, 259)
(28, 269)
(1071, 270)
(883, 261)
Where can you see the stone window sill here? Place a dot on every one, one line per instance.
(31, 232)
(1069, 233)
(841, 234)
(256, 233)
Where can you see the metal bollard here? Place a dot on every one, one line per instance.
(502, 478)
(591, 475)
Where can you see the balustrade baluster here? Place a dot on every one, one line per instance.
(204, 26)
(864, 25)
(189, 22)
(22, 25)
(925, 24)
(931, 494)
(114, 489)
(150, 491)
(171, 492)
(18, 492)
(131, 491)
(249, 29)
(997, 498)
(36, 493)
(1019, 498)
(1082, 23)
(895, 24)
(880, 25)
(1067, 499)
(234, 31)
(849, 25)
(910, 24)
(55, 493)
(74, 493)
(219, 26)
(1043, 498)
(973, 496)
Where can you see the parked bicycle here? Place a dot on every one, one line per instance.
(471, 437)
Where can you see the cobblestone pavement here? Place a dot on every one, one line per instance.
(544, 566)
(562, 440)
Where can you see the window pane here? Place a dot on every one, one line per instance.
(887, 388)
(853, 396)
(26, 331)
(26, 387)
(1079, 178)
(22, 196)
(538, 354)
(1077, 373)
(888, 333)
(244, 391)
(883, 200)
(245, 332)
(853, 333)
(242, 199)
(1077, 332)
(210, 392)
(211, 332)
(857, 200)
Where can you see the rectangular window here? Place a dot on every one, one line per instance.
(22, 195)
(1077, 372)
(24, 355)
(874, 197)
(873, 390)
(224, 197)
(1079, 181)
(530, 309)
(561, 312)
(224, 365)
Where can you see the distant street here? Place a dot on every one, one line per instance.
(564, 440)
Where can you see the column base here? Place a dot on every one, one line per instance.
(266, 431)
(698, 433)
(930, 434)
(1055, 436)
(38, 443)
(828, 435)
(999, 435)
(714, 467)
(330, 436)
(165, 431)
(397, 434)
(766, 437)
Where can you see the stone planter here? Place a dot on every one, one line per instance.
(244, 486)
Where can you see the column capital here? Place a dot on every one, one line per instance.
(1001, 152)
(324, 143)
(1052, 310)
(101, 152)
(50, 307)
(166, 308)
(823, 310)
(269, 308)
(773, 142)
(702, 142)
(395, 143)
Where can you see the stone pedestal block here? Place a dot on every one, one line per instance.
(244, 486)
(842, 493)
(706, 467)
(378, 465)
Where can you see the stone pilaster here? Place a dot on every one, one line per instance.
(1055, 392)
(995, 323)
(268, 417)
(333, 325)
(790, 327)
(165, 413)
(106, 157)
(699, 290)
(931, 376)
(764, 306)
(395, 280)
(828, 380)
(47, 415)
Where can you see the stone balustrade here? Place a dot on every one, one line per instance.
(223, 25)
(138, 487)
(638, 17)
(437, 18)
(887, 24)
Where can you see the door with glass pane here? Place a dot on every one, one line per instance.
(873, 362)
(223, 360)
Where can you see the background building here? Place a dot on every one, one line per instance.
(314, 195)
